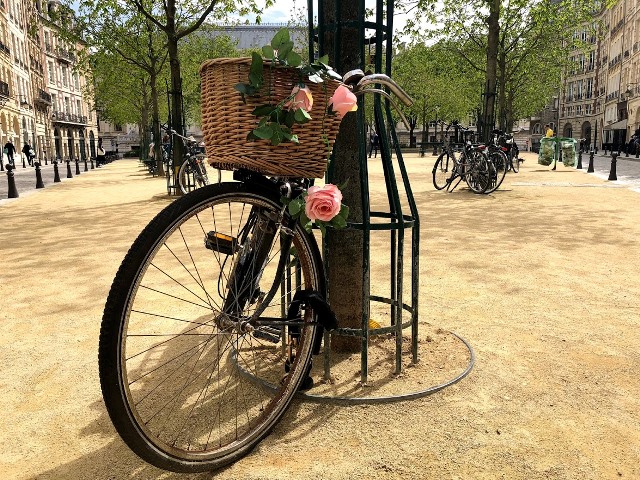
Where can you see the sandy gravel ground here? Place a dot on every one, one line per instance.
(541, 278)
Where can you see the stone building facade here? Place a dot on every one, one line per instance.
(600, 98)
(43, 102)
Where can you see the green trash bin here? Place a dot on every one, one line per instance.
(547, 151)
(568, 147)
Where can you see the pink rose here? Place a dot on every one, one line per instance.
(323, 203)
(343, 101)
(302, 98)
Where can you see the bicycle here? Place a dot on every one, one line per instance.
(472, 166)
(213, 318)
(193, 172)
(509, 147)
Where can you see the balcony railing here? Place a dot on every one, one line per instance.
(43, 98)
(66, 55)
(4, 89)
(62, 117)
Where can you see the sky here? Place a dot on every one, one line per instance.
(282, 11)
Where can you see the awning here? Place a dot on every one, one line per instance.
(619, 125)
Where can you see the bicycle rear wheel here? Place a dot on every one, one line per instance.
(515, 162)
(498, 160)
(188, 383)
(477, 171)
(442, 171)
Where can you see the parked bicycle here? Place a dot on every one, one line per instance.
(509, 147)
(471, 166)
(213, 317)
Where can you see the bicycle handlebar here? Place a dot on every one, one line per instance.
(362, 81)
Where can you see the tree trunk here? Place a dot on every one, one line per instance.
(344, 257)
(177, 115)
(502, 93)
(493, 37)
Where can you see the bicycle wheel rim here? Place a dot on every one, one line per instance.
(498, 161)
(442, 171)
(477, 172)
(259, 391)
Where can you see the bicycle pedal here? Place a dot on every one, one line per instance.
(219, 242)
(270, 334)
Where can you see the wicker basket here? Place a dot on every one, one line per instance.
(226, 121)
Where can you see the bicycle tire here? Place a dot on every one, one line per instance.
(515, 162)
(477, 171)
(442, 171)
(499, 162)
(188, 171)
(184, 394)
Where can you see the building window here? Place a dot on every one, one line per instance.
(117, 128)
(52, 73)
(537, 129)
(76, 81)
(65, 76)
(79, 106)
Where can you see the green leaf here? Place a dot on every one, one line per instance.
(295, 206)
(294, 59)
(322, 227)
(265, 132)
(324, 60)
(267, 52)
(344, 212)
(276, 136)
(290, 118)
(338, 222)
(263, 110)
(302, 116)
(255, 71)
(281, 37)
(305, 222)
(285, 50)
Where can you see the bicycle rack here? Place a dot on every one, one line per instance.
(402, 223)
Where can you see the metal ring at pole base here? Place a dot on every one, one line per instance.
(342, 400)
(39, 182)
(13, 191)
(612, 172)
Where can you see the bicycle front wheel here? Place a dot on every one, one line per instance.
(192, 175)
(442, 171)
(189, 383)
(498, 160)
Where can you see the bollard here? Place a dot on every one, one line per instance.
(626, 152)
(579, 167)
(91, 163)
(69, 169)
(77, 166)
(590, 168)
(45, 161)
(39, 182)
(1, 165)
(435, 150)
(605, 149)
(23, 164)
(612, 172)
(86, 169)
(56, 173)
(13, 191)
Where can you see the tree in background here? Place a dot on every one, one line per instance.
(510, 42)
(425, 73)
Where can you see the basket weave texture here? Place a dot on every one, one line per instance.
(226, 121)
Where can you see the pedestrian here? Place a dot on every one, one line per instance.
(526, 145)
(27, 152)
(373, 144)
(9, 149)
(548, 131)
(100, 158)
